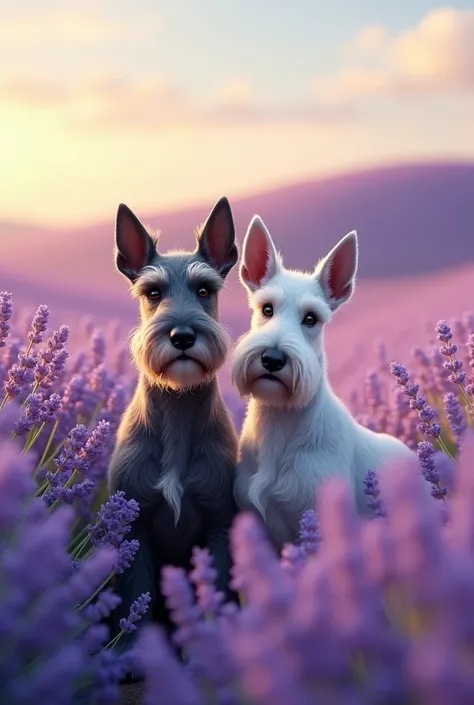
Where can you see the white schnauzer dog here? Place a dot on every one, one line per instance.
(296, 433)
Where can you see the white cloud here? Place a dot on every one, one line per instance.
(435, 56)
(109, 102)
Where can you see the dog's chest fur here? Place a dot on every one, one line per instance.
(175, 456)
(295, 450)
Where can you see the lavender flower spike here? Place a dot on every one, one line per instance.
(453, 366)
(204, 577)
(292, 558)
(137, 610)
(371, 488)
(309, 533)
(6, 310)
(428, 424)
(113, 520)
(470, 349)
(39, 324)
(426, 454)
(456, 418)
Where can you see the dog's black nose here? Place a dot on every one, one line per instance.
(182, 337)
(273, 360)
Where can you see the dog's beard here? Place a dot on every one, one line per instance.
(167, 367)
(294, 386)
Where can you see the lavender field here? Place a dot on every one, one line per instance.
(372, 612)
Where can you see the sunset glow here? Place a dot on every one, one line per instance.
(168, 106)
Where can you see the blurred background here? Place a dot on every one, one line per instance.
(322, 117)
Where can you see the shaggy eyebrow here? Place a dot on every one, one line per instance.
(150, 277)
(269, 294)
(200, 274)
(313, 303)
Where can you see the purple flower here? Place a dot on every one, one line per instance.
(39, 324)
(373, 392)
(180, 602)
(470, 349)
(52, 359)
(31, 414)
(109, 669)
(115, 405)
(164, 675)
(95, 443)
(309, 533)
(204, 577)
(20, 376)
(97, 347)
(426, 456)
(126, 553)
(455, 415)
(106, 603)
(113, 520)
(424, 368)
(428, 424)
(137, 610)
(292, 558)
(79, 490)
(39, 626)
(6, 310)
(91, 572)
(101, 382)
(50, 408)
(68, 460)
(443, 333)
(371, 488)
(37, 410)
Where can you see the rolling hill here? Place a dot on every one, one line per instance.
(415, 227)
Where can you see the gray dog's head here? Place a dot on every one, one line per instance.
(180, 343)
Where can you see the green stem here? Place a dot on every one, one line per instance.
(77, 539)
(41, 490)
(65, 486)
(52, 455)
(76, 551)
(114, 641)
(94, 594)
(48, 446)
(29, 444)
(89, 552)
(444, 448)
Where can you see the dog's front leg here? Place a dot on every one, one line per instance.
(247, 466)
(217, 540)
(210, 481)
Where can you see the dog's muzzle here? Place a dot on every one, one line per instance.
(182, 337)
(273, 360)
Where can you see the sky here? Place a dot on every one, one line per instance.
(164, 104)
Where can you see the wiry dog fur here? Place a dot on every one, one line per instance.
(296, 433)
(176, 445)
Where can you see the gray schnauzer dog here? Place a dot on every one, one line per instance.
(176, 446)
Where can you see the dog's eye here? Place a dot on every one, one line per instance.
(154, 295)
(267, 310)
(203, 293)
(310, 319)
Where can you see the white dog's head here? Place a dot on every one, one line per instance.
(281, 359)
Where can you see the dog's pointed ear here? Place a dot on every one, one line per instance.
(216, 242)
(336, 272)
(260, 260)
(135, 248)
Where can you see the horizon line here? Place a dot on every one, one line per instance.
(264, 190)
